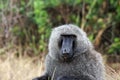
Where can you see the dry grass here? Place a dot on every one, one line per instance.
(20, 68)
(111, 74)
(26, 68)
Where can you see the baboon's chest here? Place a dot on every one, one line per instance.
(66, 70)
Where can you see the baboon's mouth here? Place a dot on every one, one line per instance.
(67, 59)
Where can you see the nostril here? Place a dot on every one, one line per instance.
(65, 51)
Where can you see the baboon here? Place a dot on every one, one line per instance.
(72, 56)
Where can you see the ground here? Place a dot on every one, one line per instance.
(26, 68)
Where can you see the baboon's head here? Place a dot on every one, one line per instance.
(68, 41)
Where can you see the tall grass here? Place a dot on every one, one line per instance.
(111, 74)
(25, 68)
(12, 68)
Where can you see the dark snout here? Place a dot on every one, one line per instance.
(66, 52)
(67, 48)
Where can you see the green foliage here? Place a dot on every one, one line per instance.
(115, 46)
(95, 16)
(90, 15)
(17, 31)
(91, 37)
(42, 19)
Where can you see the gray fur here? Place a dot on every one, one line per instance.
(86, 61)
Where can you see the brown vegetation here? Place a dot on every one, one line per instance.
(12, 68)
(26, 68)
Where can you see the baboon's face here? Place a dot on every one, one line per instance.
(67, 42)
(67, 45)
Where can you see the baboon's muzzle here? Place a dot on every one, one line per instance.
(67, 47)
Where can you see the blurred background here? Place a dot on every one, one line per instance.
(25, 27)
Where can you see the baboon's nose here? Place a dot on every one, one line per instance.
(66, 52)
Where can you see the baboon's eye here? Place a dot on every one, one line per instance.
(74, 41)
(64, 38)
(74, 44)
(60, 42)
